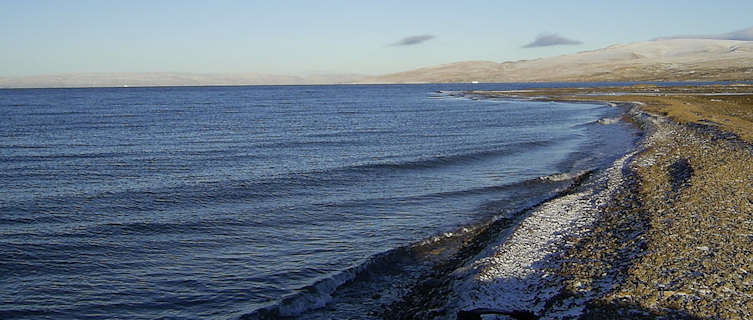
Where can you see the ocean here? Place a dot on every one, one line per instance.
(308, 202)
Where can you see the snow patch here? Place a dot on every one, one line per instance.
(514, 274)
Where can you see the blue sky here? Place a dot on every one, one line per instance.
(304, 37)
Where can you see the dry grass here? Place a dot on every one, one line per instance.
(728, 107)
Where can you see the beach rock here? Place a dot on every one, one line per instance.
(680, 172)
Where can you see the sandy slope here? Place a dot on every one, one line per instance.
(676, 59)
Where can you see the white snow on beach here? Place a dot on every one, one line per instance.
(513, 273)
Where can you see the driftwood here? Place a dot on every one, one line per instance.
(476, 314)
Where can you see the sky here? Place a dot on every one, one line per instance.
(327, 37)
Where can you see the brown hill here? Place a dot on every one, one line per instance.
(659, 60)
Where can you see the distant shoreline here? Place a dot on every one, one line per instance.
(544, 84)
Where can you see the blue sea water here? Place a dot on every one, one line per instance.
(222, 202)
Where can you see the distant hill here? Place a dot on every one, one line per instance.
(148, 79)
(660, 60)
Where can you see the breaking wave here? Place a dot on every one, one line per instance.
(609, 120)
(320, 293)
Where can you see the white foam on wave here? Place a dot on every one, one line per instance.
(609, 120)
(566, 176)
(321, 293)
(445, 236)
(317, 295)
(558, 177)
(312, 297)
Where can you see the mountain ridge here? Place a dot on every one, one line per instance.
(655, 60)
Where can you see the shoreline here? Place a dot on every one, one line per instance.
(451, 289)
(517, 273)
(664, 232)
(444, 250)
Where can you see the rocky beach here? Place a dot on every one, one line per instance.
(363, 160)
(665, 232)
(677, 243)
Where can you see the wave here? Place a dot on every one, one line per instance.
(320, 293)
(525, 184)
(62, 113)
(307, 144)
(458, 158)
(557, 177)
(26, 146)
(133, 200)
(602, 121)
(66, 156)
(348, 133)
(610, 120)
